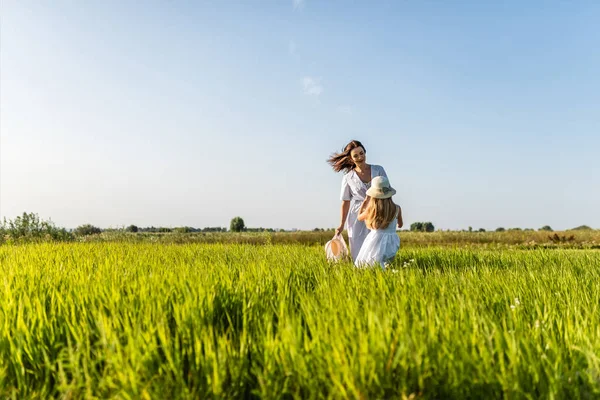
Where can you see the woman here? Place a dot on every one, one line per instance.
(355, 183)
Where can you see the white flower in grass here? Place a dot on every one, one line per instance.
(537, 323)
(517, 304)
(408, 263)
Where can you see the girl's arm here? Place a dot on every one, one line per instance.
(400, 222)
(364, 204)
(362, 213)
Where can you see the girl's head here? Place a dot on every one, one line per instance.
(353, 154)
(381, 210)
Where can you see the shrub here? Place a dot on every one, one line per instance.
(132, 228)
(29, 226)
(87, 229)
(582, 228)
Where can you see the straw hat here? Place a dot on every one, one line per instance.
(380, 188)
(336, 248)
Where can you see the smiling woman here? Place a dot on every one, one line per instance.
(355, 183)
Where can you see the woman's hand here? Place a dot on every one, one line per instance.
(339, 230)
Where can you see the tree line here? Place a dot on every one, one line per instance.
(30, 225)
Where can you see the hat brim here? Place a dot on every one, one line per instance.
(377, 194)
(335, 247)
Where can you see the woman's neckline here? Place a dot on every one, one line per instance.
(358, 176)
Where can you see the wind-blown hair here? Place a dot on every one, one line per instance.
(380, 213)
(342, 161)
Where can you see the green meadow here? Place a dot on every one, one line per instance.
(117, 319)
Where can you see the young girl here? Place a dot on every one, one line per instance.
(381, 216)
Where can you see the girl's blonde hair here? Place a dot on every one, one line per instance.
(380, 213)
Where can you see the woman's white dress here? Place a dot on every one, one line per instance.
(380, 246)
(355, 191)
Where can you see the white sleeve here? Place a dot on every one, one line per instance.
(382, 171)
(345, 194)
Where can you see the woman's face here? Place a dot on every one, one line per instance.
(358, 155)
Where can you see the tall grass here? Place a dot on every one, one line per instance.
(127, 320)
(587, 239)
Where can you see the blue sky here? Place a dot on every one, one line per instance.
(484, 114)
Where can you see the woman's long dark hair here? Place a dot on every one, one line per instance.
(342, 161)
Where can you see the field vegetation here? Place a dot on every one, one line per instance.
(131, 318)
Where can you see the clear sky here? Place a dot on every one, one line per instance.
(483, 113)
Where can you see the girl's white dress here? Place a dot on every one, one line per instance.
(355, 191)
(380, 246)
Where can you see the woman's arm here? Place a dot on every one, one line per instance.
(343, 214)
(400, 222)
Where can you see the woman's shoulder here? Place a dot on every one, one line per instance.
(377, 167)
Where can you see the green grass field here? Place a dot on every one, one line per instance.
(155, 320)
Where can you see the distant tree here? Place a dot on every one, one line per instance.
(214, 229)
(481, 230)
(253, 229)
(582, 228)
(87, 229)
(183, 229)
(416, 227)
(545, 228)
(470, 229)
(514, 229)
(237, 225)
(153, 229)
(500, 229)
(132, 228)
(422, 227)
